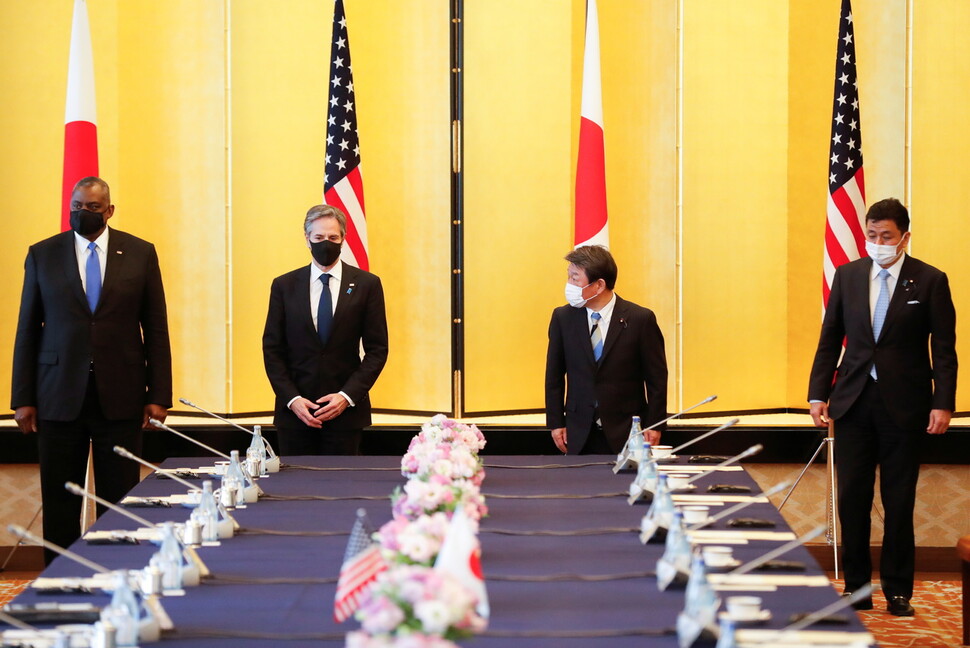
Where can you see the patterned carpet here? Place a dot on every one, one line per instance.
(937, 623)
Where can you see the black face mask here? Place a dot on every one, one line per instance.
(86, 222)
(325, 253)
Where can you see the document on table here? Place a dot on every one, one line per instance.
(765, 638)
(688, 498)
(715, 536)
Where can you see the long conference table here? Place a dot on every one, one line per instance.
(563, 563)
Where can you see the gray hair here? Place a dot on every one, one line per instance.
(317, 212)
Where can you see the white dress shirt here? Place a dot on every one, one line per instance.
(82, 251)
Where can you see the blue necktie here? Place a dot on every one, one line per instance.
(325, 310)
(596, 337)
(92, 276)
(882, 307)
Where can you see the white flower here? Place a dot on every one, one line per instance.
(433, 615)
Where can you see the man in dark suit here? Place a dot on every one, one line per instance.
(319, 317)
(92, 360)
(897, 378)
(605, 362)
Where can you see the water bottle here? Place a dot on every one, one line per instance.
(122, 613)
(168, 559)
(635, 441)
(647, 469)
(677, 547)
(207, 513)
(700, 597)
(256, 453)
(233, 488)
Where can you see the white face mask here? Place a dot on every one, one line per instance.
(883, 254)
(574, 295)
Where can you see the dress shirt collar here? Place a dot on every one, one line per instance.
(606, 313)
(894, 269)
(81, 243)
(335, 272)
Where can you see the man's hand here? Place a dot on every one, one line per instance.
(26, 418)
(652, 437)
(939, 421)
(820, 414)
(304, 409)
(156, 412)
(334, 407)
(559, 438)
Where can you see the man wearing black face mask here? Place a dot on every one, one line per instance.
(91, 360)
(319, 316)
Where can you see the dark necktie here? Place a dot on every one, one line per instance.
(325, 310)
(92, 277)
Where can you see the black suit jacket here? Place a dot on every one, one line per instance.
(915, 355)
(58, 337)
(297, 364)
(629, 380)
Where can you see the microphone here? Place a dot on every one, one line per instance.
(623, 458)
(190, 552)
(704, 436)
(17, 623)
(737, 507)
(127, 454)
(272, 461)
(785, 548)
(24, 534)
(753, 450)
(162, 426)
(251, 495)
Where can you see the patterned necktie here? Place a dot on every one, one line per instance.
(596, 337)
(92, 277)
(325, 310)
(882, 307)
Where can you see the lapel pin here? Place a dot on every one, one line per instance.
(118, 252)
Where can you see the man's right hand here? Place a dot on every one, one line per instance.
(26, 418)
(559, 438)
(820, 414)
(304, 408)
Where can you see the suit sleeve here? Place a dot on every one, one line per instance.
(555, 377)
(27, 342)
(653, 360)
(154, 326)
(374, 340)
(274, 346)
(943, 345)
(829, 344)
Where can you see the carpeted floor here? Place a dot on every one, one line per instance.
(937, 623)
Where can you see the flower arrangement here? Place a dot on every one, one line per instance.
(427, 459)
(413, 542)
(417, 604)
(438, 494)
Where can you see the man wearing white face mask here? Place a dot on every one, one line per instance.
(896, 380)
(605, 362)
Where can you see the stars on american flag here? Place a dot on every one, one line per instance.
(343, 150)
(846, 148)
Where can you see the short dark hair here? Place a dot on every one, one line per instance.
(317, 212)
(91, 181)
(890, 209)
(596, 261)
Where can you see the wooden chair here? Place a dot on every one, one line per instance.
(963, 550)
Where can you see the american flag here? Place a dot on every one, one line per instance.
(343, 186)
(846, 208)
(362, 563)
